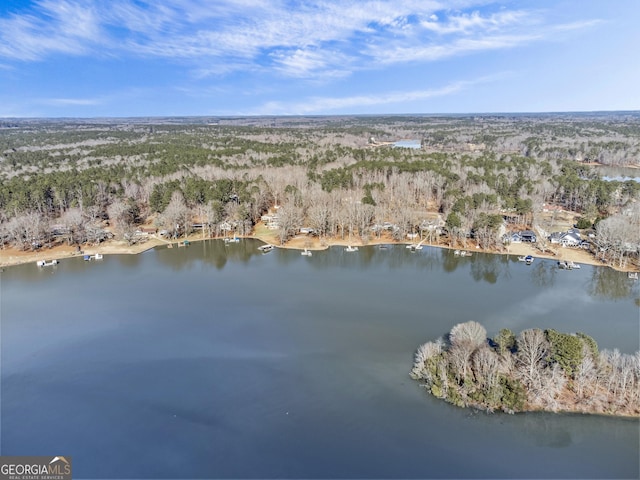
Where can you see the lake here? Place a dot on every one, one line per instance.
(216, 361)
(619, 174)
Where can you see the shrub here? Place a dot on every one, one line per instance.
(583, 223)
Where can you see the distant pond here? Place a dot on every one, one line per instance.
(620, 174)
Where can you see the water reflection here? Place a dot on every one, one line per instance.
(489, 268)
(599, 282)
(610, 284)
(620, 174)
(543, 273)
(211, 252)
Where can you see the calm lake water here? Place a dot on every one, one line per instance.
(220, 362)
(621, 174)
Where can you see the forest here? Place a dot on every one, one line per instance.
(535, 370)
(473, 179)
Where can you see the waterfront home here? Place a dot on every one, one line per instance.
(570, 238)
(528, 236)
(512, 238)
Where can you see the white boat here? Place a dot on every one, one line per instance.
(633, 275)
(573, 266)
(413, 248)
(456, 252)
(464, 253)
(232, 240)
(42, 263)
(266, 248)
(98, 256)
(306, 253)
(351, 249)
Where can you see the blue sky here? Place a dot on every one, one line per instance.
(92, 58)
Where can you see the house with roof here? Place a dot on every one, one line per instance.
(512, 237)
(570, 238)
(528, 236)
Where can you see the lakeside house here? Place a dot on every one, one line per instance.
(570, 238)
(512, 238)
(519, 237)
(146, 231)
(271, 221)
(528, 236)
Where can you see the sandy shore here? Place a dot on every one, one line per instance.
(10, 256)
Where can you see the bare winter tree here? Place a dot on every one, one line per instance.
(26, 231)
(487, 369)
(318, 216)
(122, 217)
(424, 353)
(176, 215)
(585, 375)
(74, 221)
(469, 332)
(289, 220)
(532, 349)
(465, 338)
(211, 217)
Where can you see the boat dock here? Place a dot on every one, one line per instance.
(43, 263)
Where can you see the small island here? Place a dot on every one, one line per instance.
(537, 370)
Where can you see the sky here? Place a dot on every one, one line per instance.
(125, 58)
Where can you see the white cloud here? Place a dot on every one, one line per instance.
(321, 105)
(305, 63)
(580, 25)
(61, 27)
(467, 23)
(402, 54)
(66, 102)
(312, 39)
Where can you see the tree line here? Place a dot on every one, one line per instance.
(323, 174)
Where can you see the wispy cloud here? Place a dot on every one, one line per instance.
(580, 25)
(306, 63)
(467, 23)
(313, 39)
(66, 102)
(427, 53)
(57, 27)
(322, 105)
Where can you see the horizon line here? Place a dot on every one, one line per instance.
(438, 114)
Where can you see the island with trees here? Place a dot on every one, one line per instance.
(536, 370)
(472, 182)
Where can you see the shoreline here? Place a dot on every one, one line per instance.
(11, 257)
